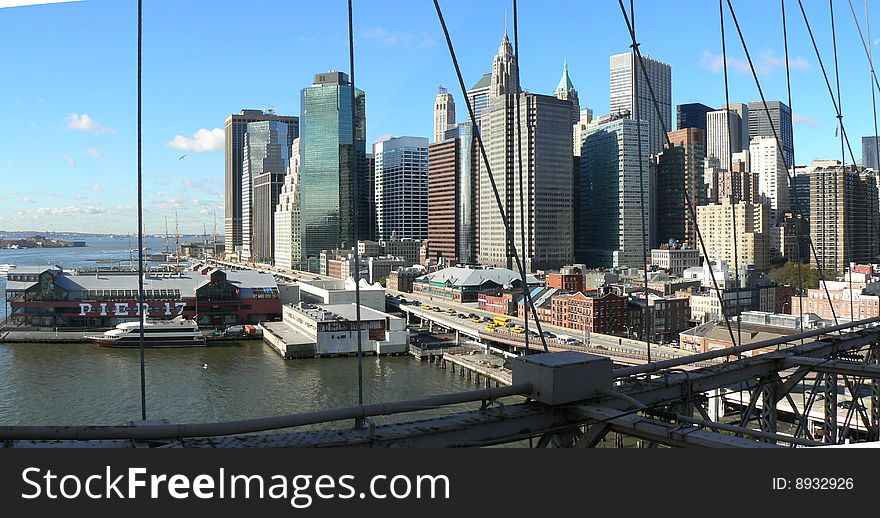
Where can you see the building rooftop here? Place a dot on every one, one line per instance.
(475, 277)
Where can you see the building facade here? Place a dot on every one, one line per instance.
(625, 70)
(538, 208)
(613, 194)
(869, 153)
(769, 165)
(723, 136)
(401, 172)
(444, 114)
(762, 122)
(691, 115)
(288, 241)
(264, 163)
(679, 179)
(235, 128)
(333, 166)
(717, 225)
(843, 217)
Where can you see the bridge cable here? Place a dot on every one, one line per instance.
(690, 206)
(636, 101)
(734, 198)
(798, 215)
(779, 144)
(140, 201)
(849, 246)
(355, 207)
(522, 230)
(504, 219)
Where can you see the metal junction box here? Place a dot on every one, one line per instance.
(563, 377)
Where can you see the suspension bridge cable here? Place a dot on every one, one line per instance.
(355, 207)
(825, 75)
(735, 198)
(779, 144)
(849, 246)
(635, 85)
(873, 75)
(522, 229)
(504, 219)
(868, 53)
(690, 206)
(140, 205)
(797, 214)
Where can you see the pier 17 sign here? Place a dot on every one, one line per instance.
(130, 309)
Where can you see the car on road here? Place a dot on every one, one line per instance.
(475, 320)
(438, 310)
(518, 330)
(548, 334)
(491, 328)
(450, 311)
(487, 319)
(416, 303)
(460, 315)
(472, 315)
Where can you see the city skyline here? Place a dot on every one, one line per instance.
(87, 179)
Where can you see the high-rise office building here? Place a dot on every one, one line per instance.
(680, 174)
(691, 115)
(717, 225)
(869, 153)
(762, 122)
(584, 121)
(843, 217)
(738, 185)
(444, 113)
(723, 134)
(452, 201)
(611, 231)
(236, 126)
(623, 74)
(565, 91)
(334, 177)
(742, 110)
(768, 164)
(401, 172)
(264, 163)
(288, 240)
(545, 199)
(478, 96)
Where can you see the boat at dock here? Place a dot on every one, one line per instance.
(176, 332)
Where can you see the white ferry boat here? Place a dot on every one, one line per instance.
(177, 332)
(4, 269)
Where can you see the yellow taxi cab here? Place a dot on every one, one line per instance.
(518, 330)
(491, 328)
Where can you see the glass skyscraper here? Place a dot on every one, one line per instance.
(266, 154)
(334, 177)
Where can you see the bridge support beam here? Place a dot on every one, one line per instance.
(769, 388)
(875, 395)
(829, 430)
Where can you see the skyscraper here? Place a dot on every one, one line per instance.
(742, 110)
(773, 187)
(565, 91)
(401, 172)
(779, 115)
(843, 217)
(869, 153)
(723, 126)
(236, 126)
(623, 73)
(333, 166)
(691, 115)
(452, 196)
(264, 164)
(752, 233)
(680, 174)
(478, 95)
(545, 199)
(288, 250)
(444, 114)
(611, 232)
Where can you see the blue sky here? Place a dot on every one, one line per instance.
(68, 123)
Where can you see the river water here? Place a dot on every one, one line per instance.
(66, 384)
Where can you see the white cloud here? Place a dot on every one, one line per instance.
(387, 38)
(22, 3)
(70, 161)
(97, 187)
(94, 152)
(766, 64)
(67, 211)
(171, 203)
(202, 141)
(27, 200)
(797, 118)
(85, 123)
(205, 212)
